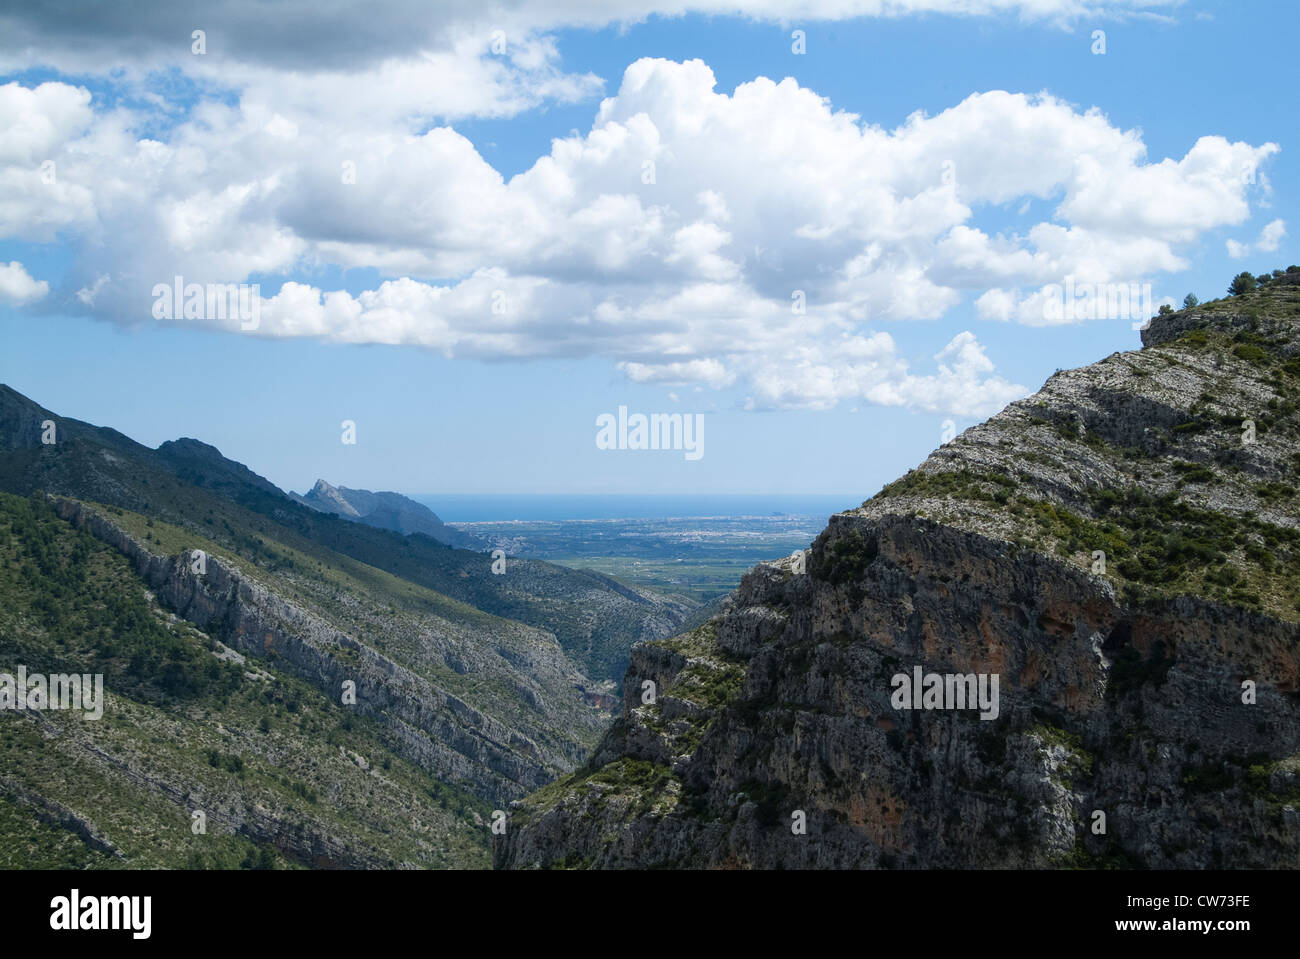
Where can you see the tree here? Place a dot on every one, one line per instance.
(1191, 300)
(1243, 282)
(1164, 310)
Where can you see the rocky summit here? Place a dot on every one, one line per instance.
(1119, 551)
(385, 511)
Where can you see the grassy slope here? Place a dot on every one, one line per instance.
(1182, 517)
(217, 736)
(595, 618)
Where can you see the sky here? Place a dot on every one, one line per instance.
(824, 232)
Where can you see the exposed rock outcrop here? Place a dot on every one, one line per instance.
(1121, 550)
(431, 727)
(393, 511)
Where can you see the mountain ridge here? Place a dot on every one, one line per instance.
(385, 510)
(227, 619)
(1122, 548)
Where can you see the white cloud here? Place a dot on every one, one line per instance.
(17, 287)
(1270, 238)
(708, 371)
(302, 36)
(818, 375)
(760, 198)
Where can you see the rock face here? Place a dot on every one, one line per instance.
(1121, 551)
(392, 511)
(328, 499)
(436, 730)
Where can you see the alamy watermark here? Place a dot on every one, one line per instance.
(105, 913)
(1099, 301)
(179, 300)
(946, 691)
(56, 691)
(658, 431)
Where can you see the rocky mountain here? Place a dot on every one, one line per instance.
(1120, 552)
(323, 692)
(186, 483)
(386, 511)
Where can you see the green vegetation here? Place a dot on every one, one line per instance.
(1252, 354)
(633, 776)
(1194, 472)
(846, 560)
(1078, 760)
(709, 685)
(28, 841)
(1258, 777)
(83, 618)
(1261, 773)
(1162, 544)
(1243, 282)
(207, 498)
(179, 721)
(990, 487)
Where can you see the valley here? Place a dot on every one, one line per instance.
(699, 558)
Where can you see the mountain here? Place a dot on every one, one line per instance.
(232, 625)
(595, 618)
(1120, 551)
(386, 511)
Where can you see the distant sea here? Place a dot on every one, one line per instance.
(484, 508)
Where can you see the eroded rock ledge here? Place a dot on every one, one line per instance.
(432, 728)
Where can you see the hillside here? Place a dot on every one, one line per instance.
(285, 775)
(1121, 549)
(191, 485)
(224, 686)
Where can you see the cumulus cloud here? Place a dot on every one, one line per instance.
(819, 375)
(17, 286)
(756, 239)
(1270, 238)
(307, 35)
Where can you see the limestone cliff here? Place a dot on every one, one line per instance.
(433, 728)
(1122, 550)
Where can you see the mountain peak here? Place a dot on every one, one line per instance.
(330, 499)
(191, 448)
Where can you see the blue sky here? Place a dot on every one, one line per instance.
(169, 167)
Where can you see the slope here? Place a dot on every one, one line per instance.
(595, 618)
(1121, 550)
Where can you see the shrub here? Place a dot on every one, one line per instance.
(1251, 353)
(1243, 282)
